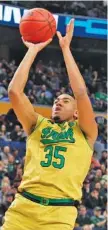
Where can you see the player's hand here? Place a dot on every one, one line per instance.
(65, 41)
(36, 47)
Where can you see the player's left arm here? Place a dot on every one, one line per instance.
(85, 112)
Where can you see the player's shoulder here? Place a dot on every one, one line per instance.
(43, 121)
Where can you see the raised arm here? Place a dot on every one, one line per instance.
(20, 103)
(85, 112)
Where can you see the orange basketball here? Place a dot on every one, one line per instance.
(38, 25)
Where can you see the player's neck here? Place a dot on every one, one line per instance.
(57, 120)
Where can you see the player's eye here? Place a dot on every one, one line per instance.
(66, 101)
(55, 101)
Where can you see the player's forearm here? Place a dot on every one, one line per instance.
(20, 78)
(76, 80)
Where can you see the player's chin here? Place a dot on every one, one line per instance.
(57, 118)
(56, 114)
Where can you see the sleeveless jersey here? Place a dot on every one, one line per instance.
(57, 161)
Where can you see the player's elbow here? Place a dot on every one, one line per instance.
(12, 92)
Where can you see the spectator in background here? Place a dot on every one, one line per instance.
(5, 166)
(19, 172)
(98, 175)
(5, 152)
(93, 200)
(3, 91)
(11, 167)
(5, 187)
(83, 218)
(93, 100)
(5, 181)
(88, 77)
(104, 177)
(103, 193)
(39, 68)
(95, 160)
(16, 154)
(54, 82)
(2, 172)
(16, 134)
(3, 133)
(97, 186)
(103, 169)
(3, 72)
(8, 200)
(103, 157)
(44, 96)
(11, 120)
(102, 189)
(98, 220)
(86, 189)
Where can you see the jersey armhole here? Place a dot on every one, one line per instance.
(39, 121)
(86, 139)
(84, 135)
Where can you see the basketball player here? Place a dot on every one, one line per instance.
(59, 151)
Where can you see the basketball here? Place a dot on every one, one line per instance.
(37, 25)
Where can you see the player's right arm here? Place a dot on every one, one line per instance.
(20, 103)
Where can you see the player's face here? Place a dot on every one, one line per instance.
(64, 108)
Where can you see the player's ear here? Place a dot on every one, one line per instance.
(75, 114)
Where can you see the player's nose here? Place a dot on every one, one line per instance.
(59, 103)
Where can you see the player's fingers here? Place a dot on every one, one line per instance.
(47, 42)
(25, 43)
(67, 28)
(71, 26)
(23, 40)
(43, 44)
(59, 35)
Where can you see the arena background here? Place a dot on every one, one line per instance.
(89, 47)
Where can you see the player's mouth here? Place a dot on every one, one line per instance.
(57, 108)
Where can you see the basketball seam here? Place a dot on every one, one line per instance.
(35, 33)
(40, 29)
(50, 28)
(32, 20)
(44, 34)
(41, 14)
(47, 21)
(51, 22)
(35, 20)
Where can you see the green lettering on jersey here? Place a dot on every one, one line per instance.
(49, 135)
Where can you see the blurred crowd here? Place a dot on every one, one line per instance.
(83, 8)
(47, 81)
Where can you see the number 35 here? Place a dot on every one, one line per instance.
(54, 152)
